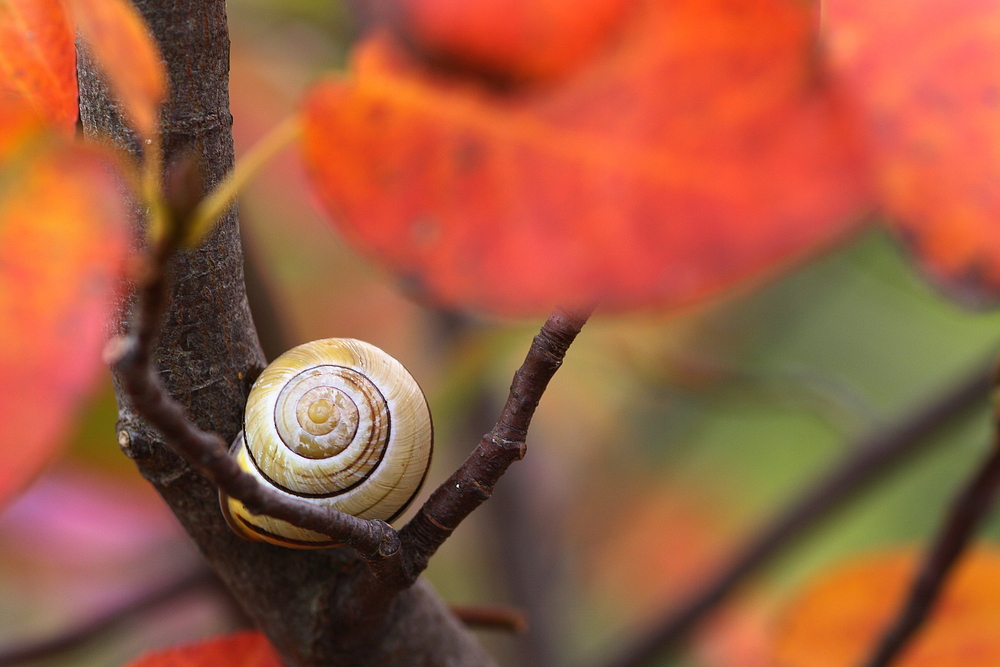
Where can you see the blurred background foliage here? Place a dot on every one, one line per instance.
(664, 441)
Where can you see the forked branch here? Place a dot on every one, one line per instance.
(396, 559)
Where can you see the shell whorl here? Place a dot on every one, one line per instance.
(337, 421)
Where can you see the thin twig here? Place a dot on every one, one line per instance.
(492, 617)
(107, 620)
(473, 482)
(873, 456)
(968, 510)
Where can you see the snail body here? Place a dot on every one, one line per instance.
(340, 423)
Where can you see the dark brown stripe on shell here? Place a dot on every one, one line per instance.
(281, 539)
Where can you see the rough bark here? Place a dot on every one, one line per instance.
(317, 607)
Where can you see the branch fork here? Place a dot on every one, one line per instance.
(395, 558)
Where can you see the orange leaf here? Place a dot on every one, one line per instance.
(926, 75)
(838, 619)
(38, 60)
(701, 152)
(243, 649)
(62, 239)
(519, 39)
(125, 49)
(19, 124)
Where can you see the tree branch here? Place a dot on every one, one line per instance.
(318, 607)
(492, 617)
(146, 601)
(470, 485)
(375, 540)
(970, 507)
(873, 456)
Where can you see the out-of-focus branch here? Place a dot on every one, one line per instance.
(492, 617)
(967, 512)
(106, 620)
(873, 456)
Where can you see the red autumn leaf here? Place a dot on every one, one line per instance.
(702, 150)
(125, 49)
(244, 649)
(38, 60)
(62, 239)
(926, 75)
(513, 39)
(838, 619)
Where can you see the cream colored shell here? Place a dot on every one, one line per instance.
(340, 423)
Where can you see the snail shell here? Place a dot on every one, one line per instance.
(339, 422)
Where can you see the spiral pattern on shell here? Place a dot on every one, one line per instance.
(339, 422)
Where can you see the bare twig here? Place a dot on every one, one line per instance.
(873, 456)
(492, 617)
(107, 620)
(967, 512)
(473, 482)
